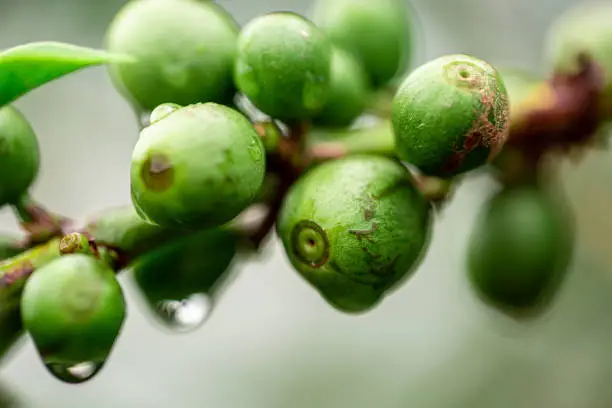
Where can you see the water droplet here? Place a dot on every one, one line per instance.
(162, 111)
(185, 315)
(144, 119)
(76, 373)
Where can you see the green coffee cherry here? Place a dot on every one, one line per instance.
(185, 52)
(283, 66)
(19, 155)
(354, 228)
(191, 265)
(585, 30)
(450, 115)
(378, 33)
(73, 308)
(520, 250)
(198, 167)
(349, 91)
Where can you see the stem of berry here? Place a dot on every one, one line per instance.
(40, 224)
(14, 272)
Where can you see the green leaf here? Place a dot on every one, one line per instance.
(26, 67)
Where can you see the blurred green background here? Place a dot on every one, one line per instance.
(272, 342)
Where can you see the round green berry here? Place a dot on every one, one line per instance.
(377, 32)
(348, 94)
(583, 30)
(354, 228)
(73, 308)
(450, 115)
(283, 66)
(193, 264)
(198, 167)
(184, 52)
(19, 155)
(520, 250)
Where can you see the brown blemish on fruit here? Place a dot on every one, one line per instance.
(16, 273)
(364, 233)
(369, 209)
(489, 129)
(157, 173)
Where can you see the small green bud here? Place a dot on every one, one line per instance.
(450, 115)
(73, 308)
(520, 250)
(354, 228)
(75, 243)
(185, 52)
(583, 30)
(19, 155)
(378, 33)
(349, 91)
(198, 167)
(283, 66)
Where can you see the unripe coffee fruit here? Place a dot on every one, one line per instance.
(378, 33)
(520, 250)
(73, 308)
(284, 66)
(198, 167)
(184, 51)
(450, 115)
(19, 155)
(354, 228)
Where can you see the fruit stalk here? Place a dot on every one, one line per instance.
(14, 272)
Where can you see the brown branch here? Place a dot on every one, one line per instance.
(566, 116)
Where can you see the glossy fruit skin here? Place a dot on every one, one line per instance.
(450, 115)
(349, 91)
(19, 155)
(193, 264)
(520, 250)
(185, 50)
(73, 308)
(284, 66)
(354, 228)
(198, 167)
(583, 29)
(378, 33)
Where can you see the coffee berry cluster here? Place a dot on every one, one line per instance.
(318, 128)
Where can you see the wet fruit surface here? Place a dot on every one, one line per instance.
(450, 115)
(73, 308)
(284, 66)
(354, 228)
(199, 166)
(185, 52)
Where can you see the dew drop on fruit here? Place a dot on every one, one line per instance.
(144, 119)
(76, 373)
(185, 315)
